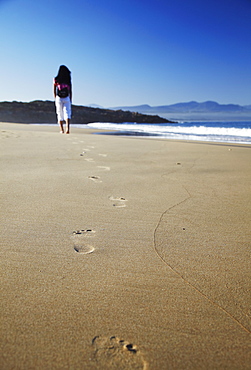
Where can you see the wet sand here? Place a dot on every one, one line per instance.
(123, 253)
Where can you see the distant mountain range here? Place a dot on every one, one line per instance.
(189, 107)
(44, 111)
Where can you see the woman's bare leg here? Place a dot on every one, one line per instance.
(68, 121)
(61, 124)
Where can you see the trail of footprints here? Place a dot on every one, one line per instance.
(116, 202)
(115, 353)
(108, 352)
(83, 240)
(6, 134)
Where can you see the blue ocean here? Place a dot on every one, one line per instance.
(213, 131)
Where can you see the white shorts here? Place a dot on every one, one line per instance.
(63, 108)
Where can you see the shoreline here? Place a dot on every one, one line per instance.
(123, 252)
(132, 134)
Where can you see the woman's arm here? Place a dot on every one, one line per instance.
(71, 93)
(54, 90)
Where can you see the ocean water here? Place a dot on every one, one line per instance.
(215, 131)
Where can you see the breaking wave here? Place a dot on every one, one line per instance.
(230, 132)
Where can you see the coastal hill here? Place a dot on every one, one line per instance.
(44, 112)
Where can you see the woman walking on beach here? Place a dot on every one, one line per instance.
(63, 97)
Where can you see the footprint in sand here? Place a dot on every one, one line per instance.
(105, 168)
(84, 249)
(102, 155)
(118, 202)
(81, 241)
(114, 353)
(95, 178)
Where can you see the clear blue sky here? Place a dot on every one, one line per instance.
(127, 52)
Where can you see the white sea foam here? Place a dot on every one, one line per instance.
(227, 132)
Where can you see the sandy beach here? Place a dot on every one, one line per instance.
(123, 252)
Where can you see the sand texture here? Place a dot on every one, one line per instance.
(123, 253)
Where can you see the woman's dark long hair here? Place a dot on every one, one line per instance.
(64, 75)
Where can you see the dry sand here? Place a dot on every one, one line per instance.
(123, 253)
